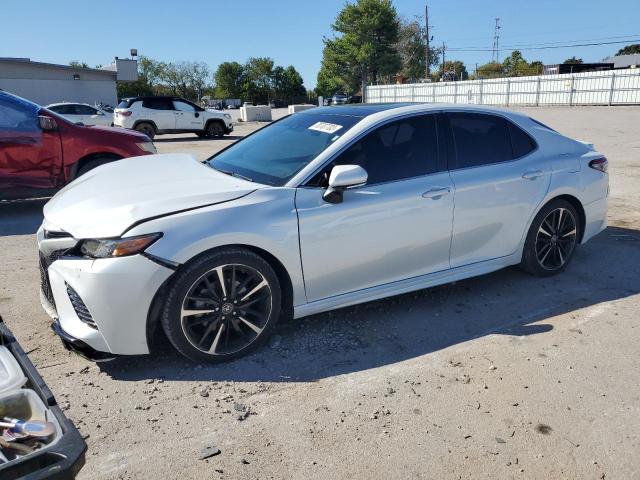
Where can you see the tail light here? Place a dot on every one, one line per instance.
(126, 113)
(600, 164)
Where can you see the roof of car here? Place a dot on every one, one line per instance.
(154, 97)
(68, 103)
(357, 109)
(363, 110)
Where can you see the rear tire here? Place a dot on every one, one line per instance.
(239, 296)
(147, 129)
(215, 129)
(552, 239)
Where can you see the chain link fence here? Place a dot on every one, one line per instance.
(610, 87)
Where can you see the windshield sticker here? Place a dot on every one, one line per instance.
(325, 127)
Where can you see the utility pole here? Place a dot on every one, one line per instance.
(426, 25)
(443, 49)
(496, 41)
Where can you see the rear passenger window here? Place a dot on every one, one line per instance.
(521, 143)
(158, 103)
(402, 149)
(479, 139)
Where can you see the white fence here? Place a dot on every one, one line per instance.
(611, 87)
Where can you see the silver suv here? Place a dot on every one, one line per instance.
(159, 115)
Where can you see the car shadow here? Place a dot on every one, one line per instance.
(21, 217)
(196, 139)
(508, 302)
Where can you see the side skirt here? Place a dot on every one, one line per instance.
(404, 286)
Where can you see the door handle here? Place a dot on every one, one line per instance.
(532, 174)
(436, 193)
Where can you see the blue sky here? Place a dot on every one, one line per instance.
(291, 31)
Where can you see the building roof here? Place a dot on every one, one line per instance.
(28, 61)
(622, 61)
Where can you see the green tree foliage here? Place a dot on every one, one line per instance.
(229, 79)
(258, 79)
(412, 50)
(572, 60)
(77, 64)
(364, 47)
(288, 85)
(629, 49)
(490, 70)
(515, 65)
(454, 70)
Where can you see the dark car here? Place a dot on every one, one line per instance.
(339, 98)
(41, 151)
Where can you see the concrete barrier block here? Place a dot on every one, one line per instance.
(261, 113)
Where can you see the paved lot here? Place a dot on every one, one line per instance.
(503, 376)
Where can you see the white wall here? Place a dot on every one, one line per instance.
(612, 87)
(45, 92)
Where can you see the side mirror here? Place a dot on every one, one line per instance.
(47, 124)
(343, 177)
(197, 114)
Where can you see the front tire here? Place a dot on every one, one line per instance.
(91, 164)
(222, 306)
(552, 239)
(215, 129)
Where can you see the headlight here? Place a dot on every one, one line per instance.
(227, 116)
(117, 247)
(147, 147)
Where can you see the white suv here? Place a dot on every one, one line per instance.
(158, 115)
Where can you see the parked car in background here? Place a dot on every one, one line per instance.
(323, 209)
(159, 115)
(339, 98)
(41, 151)
(82, 113)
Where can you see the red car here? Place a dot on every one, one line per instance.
(41, 151)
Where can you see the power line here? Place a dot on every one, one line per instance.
(543, 47)
(517, 45)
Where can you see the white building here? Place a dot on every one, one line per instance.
(46, 83)
(624, 61)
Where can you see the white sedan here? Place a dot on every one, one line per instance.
(323, 209)
(82, 113)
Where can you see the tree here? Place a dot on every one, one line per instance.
(629, 49)
(412, 50)
(363, 48)
(229, 78)
(572, 60)
(453, 70)
(258, 79)
(536, 67)
(150, 71)
(196, 74)
(288, 85)
(490, 70)
(515, 65)
(77, 64)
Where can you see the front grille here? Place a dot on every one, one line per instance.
(81, 309)
(45, 262)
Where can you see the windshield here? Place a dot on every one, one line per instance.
(274, 154)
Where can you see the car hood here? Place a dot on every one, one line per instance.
(108, 200)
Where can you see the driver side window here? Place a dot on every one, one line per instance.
(402, 149)
(183, 107)
(16, 117)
